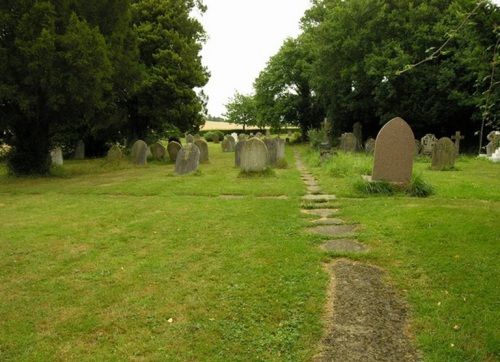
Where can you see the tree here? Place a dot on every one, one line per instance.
(169, 41)
(241, 109)
(55, 72)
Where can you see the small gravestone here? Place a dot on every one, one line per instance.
(226, 145)
(369, 146)
(357, 131)
(197, 137)
(494, 138)
(139, 153)
(427, 143)
(268, 133)
(158, 151)
(235, 137)
(254, 156)
(188, 159)
(457, 137)
(272, 150)
(394, 150)
(232, 140)
(281, 148)
(203, 147)
(348, 143)
(237, 152)
(115, 153)
(173, 149)
(215, 138)
(57, 156)
(443, 154)
(259, 135)
(189, 138)
(79, 150)
(418, 147)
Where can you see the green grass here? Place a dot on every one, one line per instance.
(115, 262)
(442, 252)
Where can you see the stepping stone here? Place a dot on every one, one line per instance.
(328, 221)
(344, 246)
(333, 230)
(311, 183)
(313, 189)
(320, 212)
(319, 197)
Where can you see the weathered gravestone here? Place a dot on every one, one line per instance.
(215, 138)
(357, 131)
(418, 147)
(237, 152)
(272, 150)
(115, 153)
(139, 153)
(158, 151)
(369, 146)
(232, 140)
(57, 156)
(189, 138)
(494, 138)
(259, 135)
(173, 149)
(457, 137)
(226, 145)
(348, 142)
(427, 143)
(203, 147)
(197, 137)
(443, 154)
(394, 150)
(79, 150)
(281, 148)
(254, 155)
(188, 159)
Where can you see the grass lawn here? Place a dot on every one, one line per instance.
(115, 262)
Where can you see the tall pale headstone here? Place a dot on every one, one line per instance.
(427, 144)
(394, 150)
(254, 155)
(237, 152)
(188, 159)
(139, 153)
(443, 154)
(57, 156)
(173, 149)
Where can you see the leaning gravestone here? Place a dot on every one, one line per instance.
(272, 150)
(158, 151)
(254, 155)
(226, 145)
(237, 152)
(203, 147)
(427, 144)
(139, 153)
(57, 156)
(443, 154)
(394, 150)
(115, 153)
(173, 149)
(188, 159)
(79, 150)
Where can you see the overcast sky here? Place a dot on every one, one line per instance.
(243, 35)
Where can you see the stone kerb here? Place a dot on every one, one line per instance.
(188, 159)
(203, 147)
(394, 151)
(173, 149)
(139, 153)
(254, 156)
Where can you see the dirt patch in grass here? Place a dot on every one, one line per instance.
(367, 321)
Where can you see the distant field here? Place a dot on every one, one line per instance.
(210, 126)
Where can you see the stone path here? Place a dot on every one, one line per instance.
(366, 319)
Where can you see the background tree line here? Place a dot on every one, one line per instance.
(432, 62)
(98, 70)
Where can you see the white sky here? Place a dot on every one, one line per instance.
(243, 35)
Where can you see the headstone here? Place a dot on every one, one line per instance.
(281, 149)
(189, 138)
(428, 142)
(418, 147)
(79, 150)
(203, 147)
(272, 151)
(232, 140)
(197, 137)
(259, 135)
(348, 142)
(173, 149)
(268, 133)
(457, 138)
(115, 153)
(237, 152)
(158, 151)
(370, 146)
(235, 137)
(494, 138)
(394, 150)
(254, 155)
(188, 159)
(215, 138)
(139, 153)
(357, 130)
(57, 156)
(443, 154)
(325, 125)
(226, 145)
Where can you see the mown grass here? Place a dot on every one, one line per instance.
(441, 251)
(135, 263)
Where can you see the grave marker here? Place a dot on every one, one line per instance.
(443, 154)
(188, 159)
(254, 155)
(457, 137)
(173, 149)
(139, 153)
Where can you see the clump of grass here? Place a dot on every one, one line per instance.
(375, 187)
(419, 187)
(347, 165)
(268, 172)
(281, 164)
